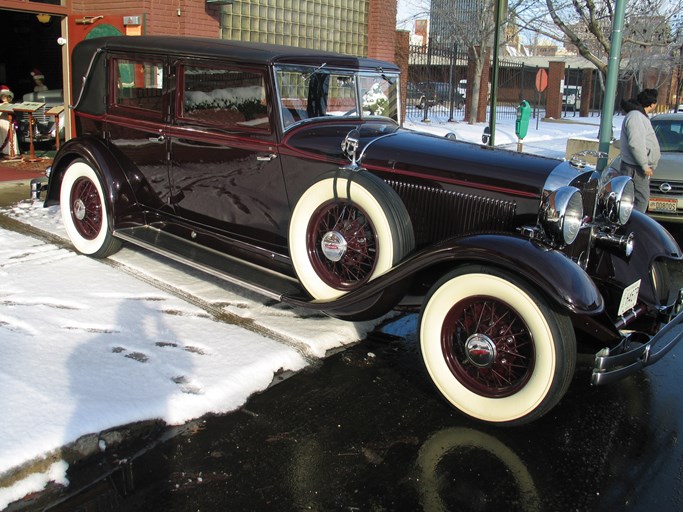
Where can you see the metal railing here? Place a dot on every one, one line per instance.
(438, 88)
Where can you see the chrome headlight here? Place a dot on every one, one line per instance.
(616, 199)
(563, 213)
(608, 174)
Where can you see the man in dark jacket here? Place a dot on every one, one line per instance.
(639, 146)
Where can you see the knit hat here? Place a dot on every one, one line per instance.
(36, 74)
(5, 91)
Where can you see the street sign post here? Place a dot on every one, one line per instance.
(541, 85)
(541, 80)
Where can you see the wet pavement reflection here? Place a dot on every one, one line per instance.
(366, 431)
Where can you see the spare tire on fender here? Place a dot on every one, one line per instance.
(348, 228)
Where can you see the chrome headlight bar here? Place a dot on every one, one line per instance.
(621, 244)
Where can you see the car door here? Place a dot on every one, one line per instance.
(225, 171)
(136, 126)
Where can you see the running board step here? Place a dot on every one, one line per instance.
(242, 273)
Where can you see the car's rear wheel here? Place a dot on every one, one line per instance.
(347, 229)
(84, 212)
(494, 347)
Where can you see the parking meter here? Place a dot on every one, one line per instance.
(523, 117)
(486, 136)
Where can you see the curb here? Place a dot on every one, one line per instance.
(86, 447)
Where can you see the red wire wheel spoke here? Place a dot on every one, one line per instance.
(86, 209)
(509, 354)
(358, 261)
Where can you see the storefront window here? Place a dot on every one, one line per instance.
(48, 2)
(305, 23)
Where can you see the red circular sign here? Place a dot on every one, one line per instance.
(541, 80)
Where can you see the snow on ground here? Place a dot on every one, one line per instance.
(544, 137)
(88, 345)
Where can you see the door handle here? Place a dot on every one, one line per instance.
(160, 138)
(266, 158)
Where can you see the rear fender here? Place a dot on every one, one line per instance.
(116, 186)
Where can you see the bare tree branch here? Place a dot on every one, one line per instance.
(587, 25)
(574, 38)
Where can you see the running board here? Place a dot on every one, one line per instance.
(233, 270)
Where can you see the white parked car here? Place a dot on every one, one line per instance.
(666, 186)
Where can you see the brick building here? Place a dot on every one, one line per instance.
(359, 27)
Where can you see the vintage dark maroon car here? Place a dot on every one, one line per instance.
(287, 170)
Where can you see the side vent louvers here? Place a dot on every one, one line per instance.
(439, 214)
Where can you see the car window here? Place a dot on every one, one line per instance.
(307, 93)
(379, 94)
(313, 92)
(139, 85)
(231, 99)
(669, 134)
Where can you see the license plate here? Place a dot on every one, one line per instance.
(629, 298)
(660, 204)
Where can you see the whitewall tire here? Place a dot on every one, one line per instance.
(494, 347)
(347, 229)
(84, 212)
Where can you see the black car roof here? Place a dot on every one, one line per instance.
(236, 51)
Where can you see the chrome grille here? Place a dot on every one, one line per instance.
(676, 187)
(438, 214)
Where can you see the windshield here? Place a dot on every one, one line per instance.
(669, 134)
(308, 92)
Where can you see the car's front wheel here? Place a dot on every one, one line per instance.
(84, 212)
(661, 280)
(347, 229)
(495, 348)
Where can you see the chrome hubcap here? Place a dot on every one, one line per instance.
(333, 245)
(79, 209)
(481, 351)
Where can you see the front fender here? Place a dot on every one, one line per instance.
(651, 242)
(114, 182)
(562, 280)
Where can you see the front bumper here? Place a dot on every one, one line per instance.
(676, 218)
(635, 351)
